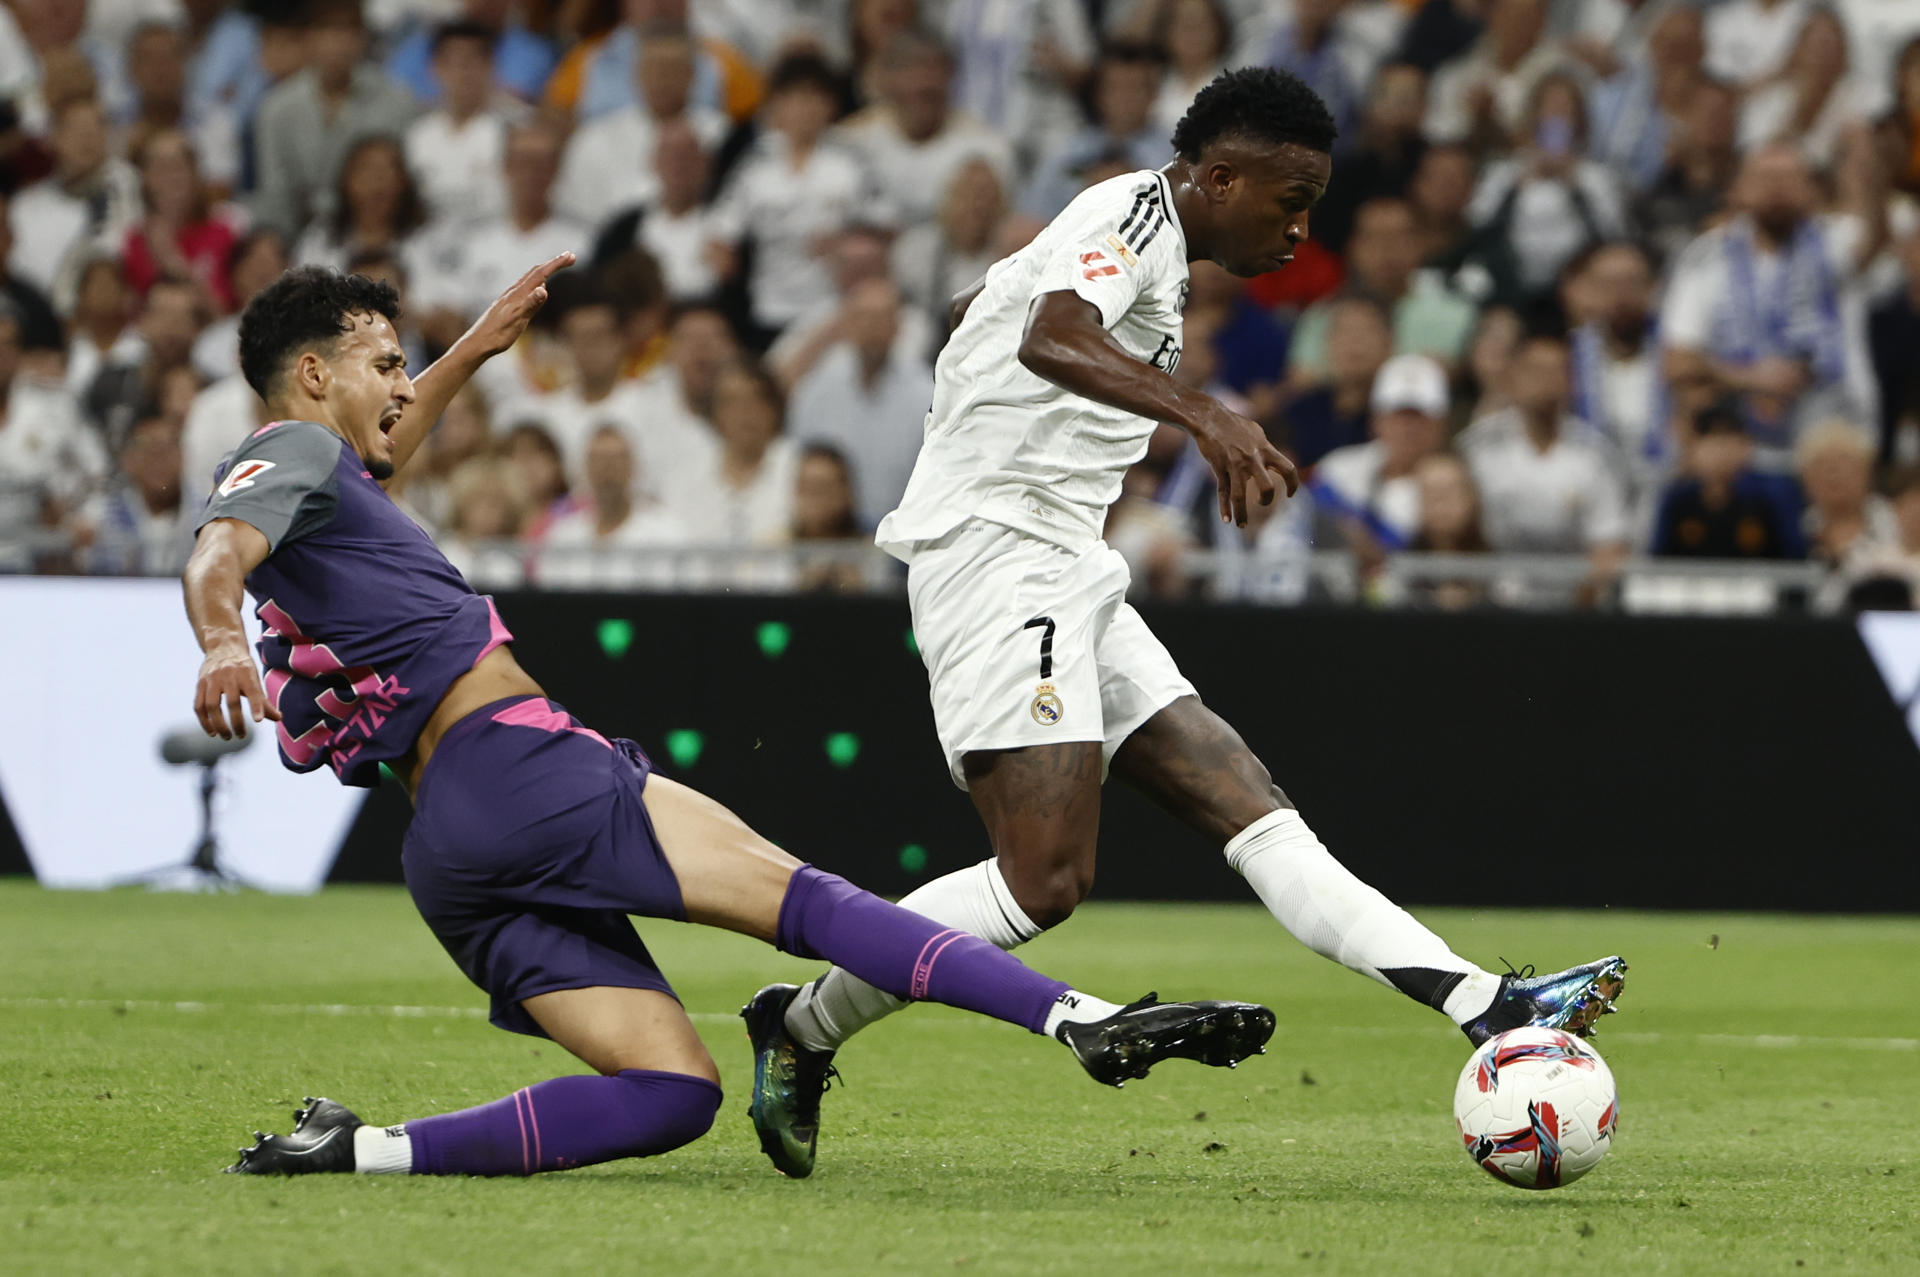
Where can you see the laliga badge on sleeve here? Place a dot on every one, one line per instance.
(1046, 708)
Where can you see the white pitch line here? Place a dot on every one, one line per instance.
(1774, 1041)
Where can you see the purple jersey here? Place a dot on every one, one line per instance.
(365, 623)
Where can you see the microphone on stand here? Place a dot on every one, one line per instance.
(192, 745)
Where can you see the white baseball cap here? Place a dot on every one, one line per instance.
(1411, 381)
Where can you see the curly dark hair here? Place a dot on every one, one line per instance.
(1259, 104)
(306, 307)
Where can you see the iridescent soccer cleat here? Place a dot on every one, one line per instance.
(1141, 1034)
(788, 1081)
(322, 1141)
(1572, 1000)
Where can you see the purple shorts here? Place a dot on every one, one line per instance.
(529, 847)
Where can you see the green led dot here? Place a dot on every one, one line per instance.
(913, 644)
(616, 636)
(842, 749)
(773, 637)
(913, 858)
(684, 746)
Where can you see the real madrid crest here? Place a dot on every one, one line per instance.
(1046, 708)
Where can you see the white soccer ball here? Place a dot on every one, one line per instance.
(1536, 1107)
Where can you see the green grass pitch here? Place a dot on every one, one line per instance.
(1769, 1075)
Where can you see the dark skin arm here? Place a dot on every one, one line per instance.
(493, 332)
(226, 551)
(1066, 344)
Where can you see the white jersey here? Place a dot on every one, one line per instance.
(1008, 446)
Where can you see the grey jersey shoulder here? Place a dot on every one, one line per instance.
(284, 480)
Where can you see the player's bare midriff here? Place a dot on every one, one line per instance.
(496, 677)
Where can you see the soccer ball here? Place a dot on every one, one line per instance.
(1536, 1107)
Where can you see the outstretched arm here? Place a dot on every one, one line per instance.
(493, 332)
(1066, 343)
(226, 551)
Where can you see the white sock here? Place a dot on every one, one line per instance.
(1336, 915)
(976, 900)
(382, 1150)
(1075, 1007)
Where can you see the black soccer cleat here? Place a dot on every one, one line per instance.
(322, 1141)
(1136, 1037)
(1571, 1000)
(788, 1081)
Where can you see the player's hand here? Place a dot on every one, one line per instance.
(1240, 454)
(514, 309)
(229, 687)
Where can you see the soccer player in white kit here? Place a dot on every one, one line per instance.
(1043, 677)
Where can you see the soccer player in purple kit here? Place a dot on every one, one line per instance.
(533, 836)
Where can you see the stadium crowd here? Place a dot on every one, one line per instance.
(1602, 278)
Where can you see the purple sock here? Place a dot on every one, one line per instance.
(898, 951)
(565, 1122)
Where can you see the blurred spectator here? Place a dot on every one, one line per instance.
(1450, 523)
(1546, 490)
(934, 262)
(1383, 263)
(867, 399)
(184, 237)
(913, 143)
(823, 511)
(1749, 41)
(49, 460)
(1482, 99)
(1699, 167)
(157, 67)
(608, 78)
(455, 152)
(1270, 560)
(1723, 509)
(1548, 201)
(1475, 266)
(129, 379)
(252, 263)
(540, 476)
(1813, 99)
(471, 269)
(1486, 380)
(1619, 385)
(101, 324)
(607, 165)
(678, 228)
(1310, 39)
(1440, 32)
(1332, 412)
(376, 208)
(1018, 68)
(1370, 489)
(790, 196)
(1195, 37)
(384, 264)
(747, 496)
(1124, 83)
(485, 510)
(1637, 108)
(1381, 160)
(227, 67)
(308, 125)
(40, 327)
(1894, 329)
(603, 544)
(88, 204)
(1769, 305)
(464, 432)
(872, 26)
(1899, 127)
(518, 61)
(139, 526)
(1898, 558)
(1846, 522)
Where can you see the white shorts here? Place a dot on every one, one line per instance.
(1028, 643)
